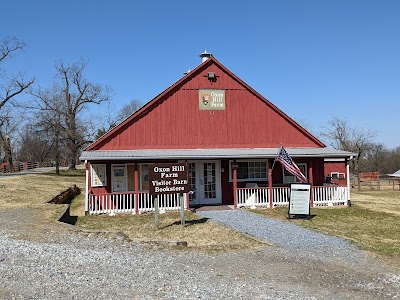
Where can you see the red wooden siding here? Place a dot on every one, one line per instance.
(175, 122)
(340, 167)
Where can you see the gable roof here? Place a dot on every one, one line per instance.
(212, 60)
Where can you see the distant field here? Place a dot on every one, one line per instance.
(31, 190)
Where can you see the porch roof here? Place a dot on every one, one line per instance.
(226, 153)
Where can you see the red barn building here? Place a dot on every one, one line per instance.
(210, 119)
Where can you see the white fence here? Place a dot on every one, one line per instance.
(246, 197)
(260, 197)
(126, 203)
(330, 195)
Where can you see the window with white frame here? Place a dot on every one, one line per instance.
(289, 178)
(99, 177)
(337, 175)
(250, 170)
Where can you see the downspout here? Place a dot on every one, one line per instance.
(234, 188)
(311, 181)
(87, 188)
(348, 180)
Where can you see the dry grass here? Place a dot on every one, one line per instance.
(385, 200)
(199, 233)
(32, 190)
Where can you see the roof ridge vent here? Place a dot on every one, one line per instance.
(205, 55)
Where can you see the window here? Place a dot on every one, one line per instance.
(99, 177)
(289, 178)
(337, 175)
(119, 178)
(254, 170)
(144, 177)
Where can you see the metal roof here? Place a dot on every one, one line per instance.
(227, 153)
(395, 174)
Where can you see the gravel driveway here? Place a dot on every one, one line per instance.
(42, 261)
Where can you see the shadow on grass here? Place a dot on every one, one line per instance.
(301, 217)
(187, 222)
(71, 220)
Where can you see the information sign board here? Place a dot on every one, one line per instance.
(169, 178)
(299, 201)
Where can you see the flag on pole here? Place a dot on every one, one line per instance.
(284, 158)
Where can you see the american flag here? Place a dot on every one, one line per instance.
(289, 165)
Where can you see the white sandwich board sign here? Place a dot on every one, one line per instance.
(299, 201)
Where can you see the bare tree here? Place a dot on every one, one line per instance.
(10, 119)
(11, 85)
(112, 119)
(341, 135)
(68, 98)
(128, 109)
(375, 159)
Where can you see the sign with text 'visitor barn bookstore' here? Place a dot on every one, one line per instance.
(170, 178)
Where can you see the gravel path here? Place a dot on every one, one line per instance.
(47, 261)
(286, 235)
(31, 171)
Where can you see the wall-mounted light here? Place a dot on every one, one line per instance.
(211, 75)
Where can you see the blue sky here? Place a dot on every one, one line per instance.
(312, 59)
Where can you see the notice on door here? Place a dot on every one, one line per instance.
(169, 178)
(299, 201)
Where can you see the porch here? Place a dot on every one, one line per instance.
(258, 197)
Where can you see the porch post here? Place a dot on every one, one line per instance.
(270, 187)
(234, 188)
(187, 201)
(136, 189)
(348, 182)
(311, 180)
(87, 188)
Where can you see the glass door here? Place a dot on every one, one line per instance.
(205, 182)
(119, 179)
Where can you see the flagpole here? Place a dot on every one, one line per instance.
(279, 150)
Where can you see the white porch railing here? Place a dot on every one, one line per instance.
(125, 203)
(246, 197)
(330, 195)
(260, 197)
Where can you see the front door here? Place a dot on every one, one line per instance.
(205, 182)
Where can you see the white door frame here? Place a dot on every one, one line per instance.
(199, 193)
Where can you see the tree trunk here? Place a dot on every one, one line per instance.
(57, 146)
(8, 152)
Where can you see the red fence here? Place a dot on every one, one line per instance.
(369, 176)
(18, 166)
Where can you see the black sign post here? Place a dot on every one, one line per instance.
(172, 178)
